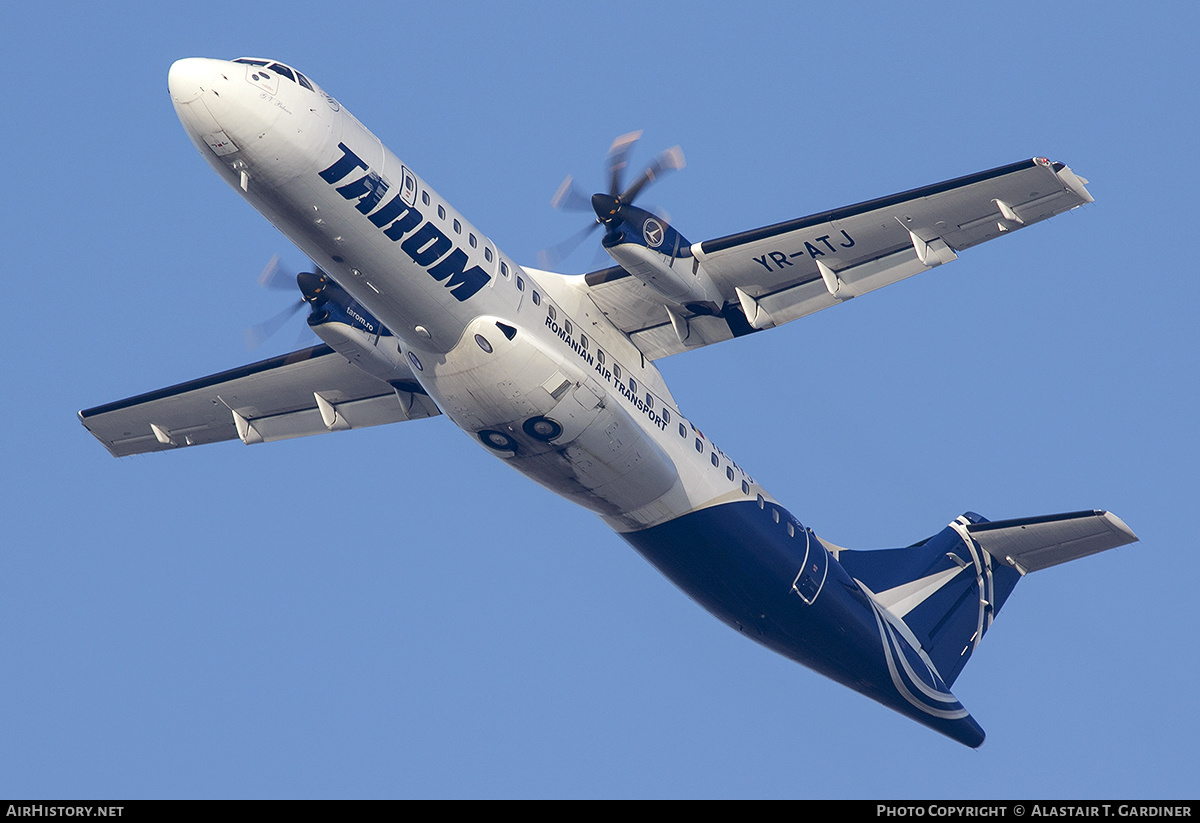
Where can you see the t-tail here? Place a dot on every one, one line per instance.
(938, 598)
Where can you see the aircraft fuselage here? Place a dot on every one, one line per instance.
(528, 366)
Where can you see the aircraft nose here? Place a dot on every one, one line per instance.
(186, 79)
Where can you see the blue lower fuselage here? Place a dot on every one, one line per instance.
(739, 562)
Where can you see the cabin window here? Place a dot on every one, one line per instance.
(729, 472)
(682, 430)
(520, 282)
(791, 529)
(712, 458)
(649, 400)
(487, 255)
(441, 212)
(583, 341)
(425, 197)
(567, 326)
(457, 226)
(666, 415)
(775, 515)
(617, 370)
(471, 239)
(699, 445)
(762, 504)
(745, 487)
(600, 356)
(504, 268)
(550, 311)
(537, 298)
(632, 386)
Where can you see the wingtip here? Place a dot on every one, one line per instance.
(1118, 525)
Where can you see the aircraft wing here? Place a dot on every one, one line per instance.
(775, 274)
(306, 392)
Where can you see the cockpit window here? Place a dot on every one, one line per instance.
(279, 68)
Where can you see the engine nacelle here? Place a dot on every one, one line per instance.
(651, 250)
(377, 354)
(349, 329)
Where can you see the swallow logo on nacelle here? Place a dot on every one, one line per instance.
(653, 232)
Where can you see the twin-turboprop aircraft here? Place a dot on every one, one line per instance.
(421, 315)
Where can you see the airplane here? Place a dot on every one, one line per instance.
(422, 315)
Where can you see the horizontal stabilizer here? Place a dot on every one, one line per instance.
(1030, 544)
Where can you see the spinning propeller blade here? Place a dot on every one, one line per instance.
(607, 206)
(278, 277)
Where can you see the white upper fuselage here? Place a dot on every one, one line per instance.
(498, 347)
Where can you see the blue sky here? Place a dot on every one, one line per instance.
(391, 612)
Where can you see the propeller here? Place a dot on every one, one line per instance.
(551, 257)
(608, 206)
(277, 277)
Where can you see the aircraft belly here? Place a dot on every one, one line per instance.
(566, 433)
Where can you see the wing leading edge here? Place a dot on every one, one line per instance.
(310, 391)
(775, 274)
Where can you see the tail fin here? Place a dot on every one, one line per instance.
(948, 589)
